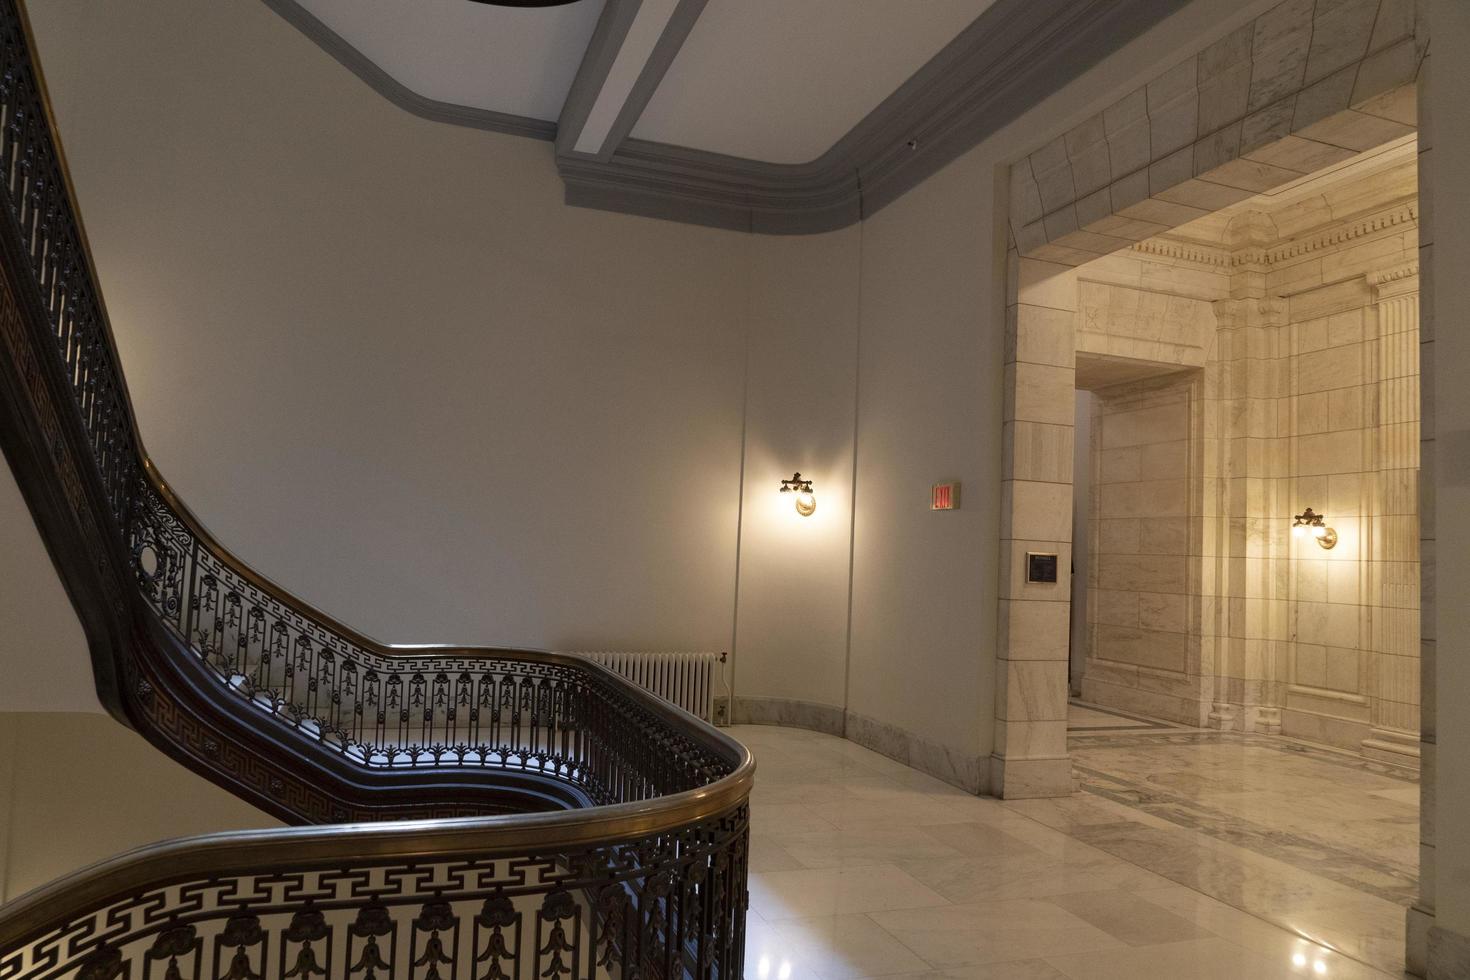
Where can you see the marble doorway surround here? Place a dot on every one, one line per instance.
(1304, 85)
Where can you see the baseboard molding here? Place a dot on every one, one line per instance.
(1127, 694)
(811, 715)
(1030, 779)
(1417, 923)
(969, 773)
(1449, 954)
(1388, 745)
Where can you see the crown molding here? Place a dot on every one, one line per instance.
(1226, 259)
(1013, 56)
(1399, 214)
(395, 91)
(1010, 58)
(1165, 248)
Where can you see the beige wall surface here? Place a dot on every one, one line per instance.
(380, 357)
(923, 609)
(925, 585)
(76, 788)
(791, 618)
(386, 365)
(1444, 257)
(44, 664)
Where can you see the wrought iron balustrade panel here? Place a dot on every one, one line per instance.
(34, 189)
(668, 905)
(377, 711)
(400, 711)
(658, 892)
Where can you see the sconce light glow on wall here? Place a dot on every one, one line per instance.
(1310, 523)
(806, 501)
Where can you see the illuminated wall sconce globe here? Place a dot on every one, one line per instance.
(806, 501)
(1311, 523)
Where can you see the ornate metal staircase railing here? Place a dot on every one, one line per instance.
(599, 831)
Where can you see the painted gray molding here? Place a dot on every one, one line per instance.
(395, 91)
(675, 32)
(607, 40)
(1013, 55)
(602, 50)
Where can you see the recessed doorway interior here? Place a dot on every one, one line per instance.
(1246, 698)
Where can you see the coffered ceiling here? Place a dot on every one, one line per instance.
(772, 115)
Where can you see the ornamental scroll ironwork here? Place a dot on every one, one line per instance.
(660, 894)
(261, 644)
(399, 711)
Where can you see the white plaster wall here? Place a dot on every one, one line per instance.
(117, 793)
(929, 386)
(392, 370)
(791, 621)
(1446, 196)
(382, 359)
(44, 663)
(925, 584)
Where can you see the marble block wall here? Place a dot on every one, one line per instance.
(1143, 608)
(1271, 352)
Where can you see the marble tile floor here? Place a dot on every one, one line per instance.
(862, 867)
(1318, 840)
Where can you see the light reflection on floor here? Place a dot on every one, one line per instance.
(862, 867)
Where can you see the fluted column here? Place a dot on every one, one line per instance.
(1245, 630)
(1393, 535)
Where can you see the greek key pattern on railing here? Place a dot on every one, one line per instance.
(666, 906)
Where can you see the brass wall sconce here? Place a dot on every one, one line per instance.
(806, 501)
(1310, 522)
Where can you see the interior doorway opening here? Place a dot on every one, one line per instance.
(1253, 684)
(1237, 373)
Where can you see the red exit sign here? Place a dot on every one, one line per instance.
(945, 496)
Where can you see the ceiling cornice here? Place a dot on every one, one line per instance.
(395, 91)
(1014, 55)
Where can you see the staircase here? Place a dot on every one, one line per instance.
(487, 813)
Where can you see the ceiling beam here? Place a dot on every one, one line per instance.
(633, 46)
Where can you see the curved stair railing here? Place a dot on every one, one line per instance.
(551, 896)
(579, 826)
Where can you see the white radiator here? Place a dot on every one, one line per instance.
(690, 680)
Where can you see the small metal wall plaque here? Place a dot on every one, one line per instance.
(1041, 567)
